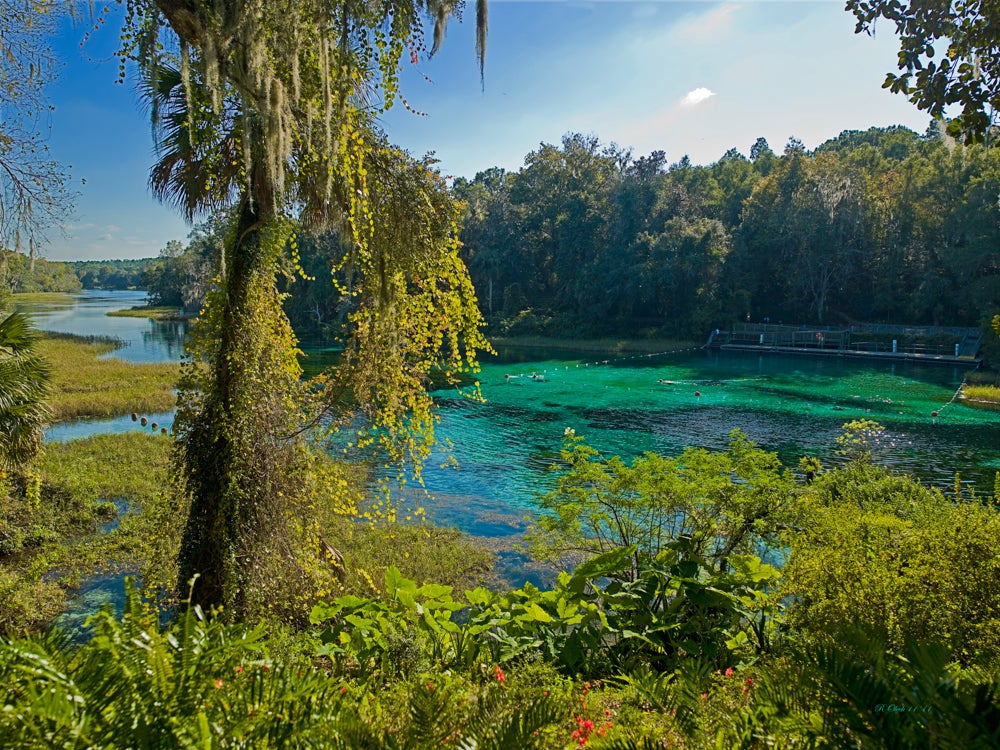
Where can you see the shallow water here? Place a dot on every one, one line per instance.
(792, 405)
(144, 340)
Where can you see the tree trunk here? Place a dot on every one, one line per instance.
(229, 451)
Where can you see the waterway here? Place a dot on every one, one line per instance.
(503, 446)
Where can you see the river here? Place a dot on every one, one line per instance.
(502, 448)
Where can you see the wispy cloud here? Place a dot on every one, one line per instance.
(708, 25)
(696, 96)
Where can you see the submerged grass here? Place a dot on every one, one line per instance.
(85, 386)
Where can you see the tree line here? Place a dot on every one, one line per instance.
(880, 225)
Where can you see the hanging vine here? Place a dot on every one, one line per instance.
(268, 105)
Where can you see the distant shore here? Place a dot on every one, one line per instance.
(598, 346)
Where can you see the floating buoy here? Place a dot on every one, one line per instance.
(698, 394)
(934, 414)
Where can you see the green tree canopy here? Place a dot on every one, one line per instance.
(947, 57)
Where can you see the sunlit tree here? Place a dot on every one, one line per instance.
(269, 107)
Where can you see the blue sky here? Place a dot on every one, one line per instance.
(689, 78)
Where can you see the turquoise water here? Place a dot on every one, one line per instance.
(792, 405)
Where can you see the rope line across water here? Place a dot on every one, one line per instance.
(536, 376)
(954, 396)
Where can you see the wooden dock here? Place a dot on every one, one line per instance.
(933, 345)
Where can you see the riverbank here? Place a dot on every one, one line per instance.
(595, 346)
(981, 396)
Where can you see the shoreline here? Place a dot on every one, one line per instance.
(598, 346)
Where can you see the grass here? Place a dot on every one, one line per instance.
(600, 346)
(85, 386)
(41, 297)
(153, 313)
(985, 396)
(50, 544)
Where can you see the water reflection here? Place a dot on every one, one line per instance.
(86, 314)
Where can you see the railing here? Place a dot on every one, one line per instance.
(961, 342)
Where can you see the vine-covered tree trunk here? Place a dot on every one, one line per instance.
(233, 448)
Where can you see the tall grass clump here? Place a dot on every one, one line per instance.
(85, 386)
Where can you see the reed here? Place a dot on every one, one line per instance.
(83, 385)
(153, 313)
(984, 396)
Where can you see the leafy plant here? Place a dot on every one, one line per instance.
(726, 503)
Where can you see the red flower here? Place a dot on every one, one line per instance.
(501, 677)
(218, 684)
(729, 671)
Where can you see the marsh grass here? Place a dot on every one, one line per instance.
(51, 544)
(983, 396)
(52, 297)
(85, 386)
(153, 313)
(422, 552)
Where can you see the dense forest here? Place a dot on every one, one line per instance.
(881, 226)
(19, 274)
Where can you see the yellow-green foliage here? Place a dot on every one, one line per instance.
(879, 550)
(987, 396)
(85, 386)
(48, 545)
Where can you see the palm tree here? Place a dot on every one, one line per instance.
(24, 378)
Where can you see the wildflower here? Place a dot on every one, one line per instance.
(501, 677)
(218, 684)
(239, 670)
(704, 696)
(430, 686)
(343, 690)
(729, 671)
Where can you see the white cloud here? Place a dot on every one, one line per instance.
(696, 96)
